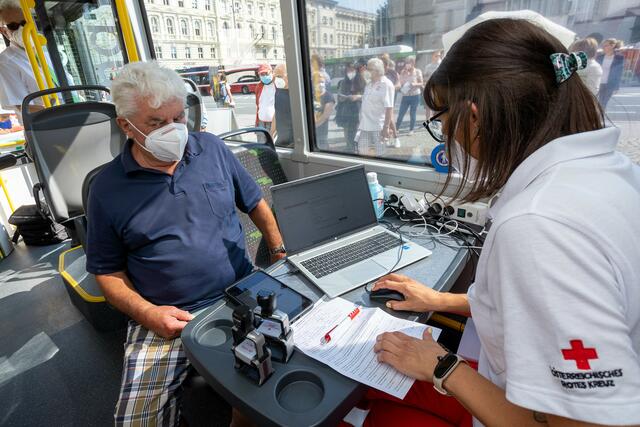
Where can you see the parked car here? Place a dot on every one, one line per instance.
(245, 84)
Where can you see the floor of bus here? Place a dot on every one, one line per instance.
(55, 369)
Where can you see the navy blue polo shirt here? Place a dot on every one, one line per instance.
(178, 238)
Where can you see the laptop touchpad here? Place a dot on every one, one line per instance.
(363, 271)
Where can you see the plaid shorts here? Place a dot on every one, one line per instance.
(369, 143)
(153, 372)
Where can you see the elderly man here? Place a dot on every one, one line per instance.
(16, 75)
(164, 239)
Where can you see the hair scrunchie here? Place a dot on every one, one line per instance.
(567, 64)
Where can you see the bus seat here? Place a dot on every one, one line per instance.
(67, 142)
(261, 161)
(193, 107)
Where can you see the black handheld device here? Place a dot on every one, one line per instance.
(247, 290)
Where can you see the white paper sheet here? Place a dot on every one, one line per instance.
(350, 350)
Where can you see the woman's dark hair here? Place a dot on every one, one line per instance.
(350, 66)
(503, 67)
(223, 76)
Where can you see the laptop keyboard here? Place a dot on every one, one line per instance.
(343, 257)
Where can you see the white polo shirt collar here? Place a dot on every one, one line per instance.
(566, 148)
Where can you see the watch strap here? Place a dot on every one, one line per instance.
(278, 250)
(439, 381)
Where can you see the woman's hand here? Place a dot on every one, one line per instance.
(417, 297)
(416, 358)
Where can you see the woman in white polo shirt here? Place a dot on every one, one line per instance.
(376, 112)
(556, 298)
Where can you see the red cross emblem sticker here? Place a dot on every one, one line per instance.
(580, 354)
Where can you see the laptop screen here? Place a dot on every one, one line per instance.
(321, 208)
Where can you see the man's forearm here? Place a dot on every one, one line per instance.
(119, 292)
(387, 117)
(263, 218)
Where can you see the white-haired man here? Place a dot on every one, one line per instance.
(164, 239)
(376, 123)
(16, 74)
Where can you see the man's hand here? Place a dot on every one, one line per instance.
(416, 358)
(166, 321)
(278, 256)
(417, 297)
(385, 132)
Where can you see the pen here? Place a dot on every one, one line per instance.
(327, 337)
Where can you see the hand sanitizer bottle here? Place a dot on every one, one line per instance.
(377, 193)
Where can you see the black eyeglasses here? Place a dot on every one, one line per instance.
(434, 126)
(13, 26)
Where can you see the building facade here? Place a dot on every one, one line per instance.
(334, 29)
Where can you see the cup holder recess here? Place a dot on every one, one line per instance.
(214, 333)
(299, 391)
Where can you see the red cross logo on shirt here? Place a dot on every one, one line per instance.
(580, 354)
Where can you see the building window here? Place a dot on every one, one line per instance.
(275, 53)
(170, 28)
(165, 2)
(324, 20)
(331, 39)
(261, 10)
(210, 29)
(273, 13)
(223, 4)
(187, 52)
(274, 34)
(207, 5)
(174, 52)
(184, 29)
(225, 25)
(213, 52)
(263, 32)
(159, 52)
(253, 31)
(155, 25)
(197, 28)
(331, 21)
(194, 4)
(180, 3)
(200, 53)
(264, 53)
(324, 38)
(237, 7)
(250, 9)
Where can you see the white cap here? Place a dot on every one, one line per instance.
(372, 177)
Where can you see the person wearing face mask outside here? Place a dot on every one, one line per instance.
(375, 124)
(164, 239)
(324, 107)
(265, 98)
(16, 74)
(554, 299)
(350, 92)
(410, 86)
(282, 127)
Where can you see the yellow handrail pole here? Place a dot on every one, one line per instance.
(30, 35)
(26, 37)
(127, 30)
(6, 194)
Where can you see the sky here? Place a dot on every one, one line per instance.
(366, 5)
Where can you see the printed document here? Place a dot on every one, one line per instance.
(350, 350)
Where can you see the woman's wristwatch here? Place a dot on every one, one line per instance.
(278, 250)
(446, 365)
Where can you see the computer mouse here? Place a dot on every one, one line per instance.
(384, 295)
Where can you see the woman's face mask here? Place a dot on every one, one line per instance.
(16, 37)
(279, 82)
(321, 87)
(459, 154)
(351, 75)
(167, 143)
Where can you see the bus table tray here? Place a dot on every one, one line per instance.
(302, 392)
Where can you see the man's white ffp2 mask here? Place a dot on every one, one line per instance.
(167, 143)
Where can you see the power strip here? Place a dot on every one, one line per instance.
(414, 201)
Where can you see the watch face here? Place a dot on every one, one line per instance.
(444, 365)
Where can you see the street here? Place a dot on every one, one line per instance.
(623, 110)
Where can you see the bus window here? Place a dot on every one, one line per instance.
(351, 115)
(86, 38)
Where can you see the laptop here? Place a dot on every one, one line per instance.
(331, 233)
